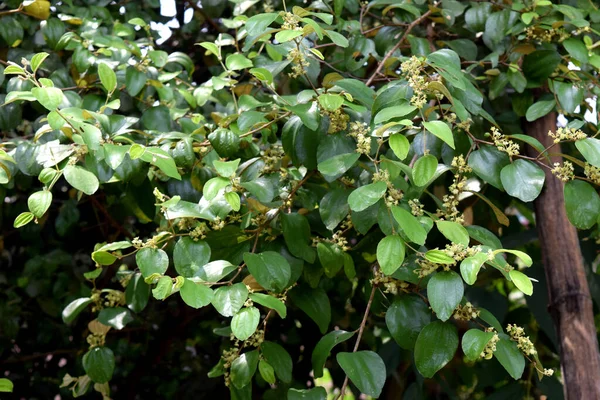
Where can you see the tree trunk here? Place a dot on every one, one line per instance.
(570, 302)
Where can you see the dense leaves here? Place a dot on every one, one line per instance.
(287, 179)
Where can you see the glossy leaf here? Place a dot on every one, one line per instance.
(271, 270)
(435, 347)
(405, 318)
(523, 179)
(99, 364)
(582, 204)
(245, 322)
(365, 369)
(445, 291)
(366, 196)
(390, 254)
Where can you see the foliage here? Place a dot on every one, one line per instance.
(312, 186)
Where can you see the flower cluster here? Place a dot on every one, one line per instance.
(504, 144)
(523, 342)
(592, 173)
(338, 120)
(567, 134)
(451, 200)
(546, 35)
(564, 172)
(299, 62)
(466, 312)
(412, 69)
(272, 157)
(490, 347)
(390, 285)
(360, 132)
(416, 208)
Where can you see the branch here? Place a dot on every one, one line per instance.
(397, 46)
(360, 333)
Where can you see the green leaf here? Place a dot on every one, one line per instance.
(470, 266)
(590, 150)
(517, 80)
(405, 319)
(441, 130)
(196, 295)
(487, 162)
(99, 364)
(317, 393)
(576, 49)
(116, 317)
(315, 303)
(570, 96)
(509, 355)
(6, 386)
(243, 368)
(39, 202)
(439, 257)
(137, 21)
(523, 179)
(81, 179)
(539, 65)
(331, 258)
(424, 170)
(189, 256)
(473, 343)
(330, 102)
(214, 271)
(539, 109)
(454, 232)
(226, 168)
(582, 204)
(435, 347)
(228, 300)
(235, 62)
(399, 145)
(286, 36)
(135, 81)
(270, 269)
(365, 196)
(323, 349)
(258, 24)
(390, 254)
(108, 78)
(337, 38)
(137, 293)
(338, 165)
(74, 308)
(410, 225)
(23, 219)
(279, 358)
(358, 90)
(245, 322)
(233, 199)
(296, 232)
(152, 261)
(162, 160)
(365, 369)
(163, 288)
(270, 302)
(37, 60)
(333, 208)
(521, 281)
(266, 372)
(445, 291)
(49, 97)
(398, 111)
(262, 74)
(523, 256)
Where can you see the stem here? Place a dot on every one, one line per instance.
(360, 333)
(397, 46)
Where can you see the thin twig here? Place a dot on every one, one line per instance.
(397, 46)
(360, 333)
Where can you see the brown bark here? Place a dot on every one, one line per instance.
(570, 303)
